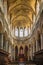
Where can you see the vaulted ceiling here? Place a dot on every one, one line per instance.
(21, 12)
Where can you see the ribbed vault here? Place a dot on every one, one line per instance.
(21, 11)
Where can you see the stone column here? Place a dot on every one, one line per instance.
(28, 53)
(36, 45)
(10, 50)
(32, 53)
(5, 7)
(1, 41)
(14, 53)
(18, 50)
(7, 45)
(37, 7)
(41, 41)
(33, 50)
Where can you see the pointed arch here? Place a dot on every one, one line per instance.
(16, 53)
(26, 52)
(21, 47)
(21, 50)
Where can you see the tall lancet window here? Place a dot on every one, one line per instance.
(21, 32)
(16, 32)
(25, 32)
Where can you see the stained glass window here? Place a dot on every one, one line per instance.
(16, 31)
(21, 32)
(25, 32)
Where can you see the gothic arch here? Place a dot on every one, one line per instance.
(16, 53)
(26, 52)
(21, 49)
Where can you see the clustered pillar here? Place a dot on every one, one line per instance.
(41, 41)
